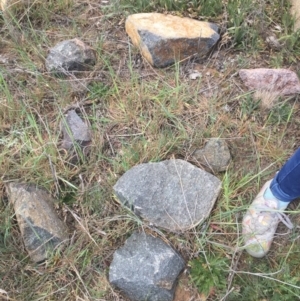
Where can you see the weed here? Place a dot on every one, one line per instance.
(249, 106)
(208, 273)
(196, 7)
(280, 113)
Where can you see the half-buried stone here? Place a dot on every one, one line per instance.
(163, 39)
(215, 155)
(41, 229)
(70, 56)
(171, 194)
(146, 268)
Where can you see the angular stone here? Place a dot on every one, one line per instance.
(163, 39)
(146, 268)
(41, 229)
(75, 133)
(171, 194)
(215, 155)
(295, 12)
(280, 81)
(69, 56)
(74, 129)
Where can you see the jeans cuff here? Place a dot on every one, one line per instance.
(278, 193)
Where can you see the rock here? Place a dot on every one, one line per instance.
(146, 268)
(273, 42)
(11, 9)
(194, 74)
(280, 81)
(162, 39)
(171, 194)
(6, 5)
(295, 12)
(74, 129)
(41, 229)
(70, 55)
(215, 155)
(75, 133)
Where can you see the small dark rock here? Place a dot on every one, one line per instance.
(74, 129)
(69, 56)
(146, 268)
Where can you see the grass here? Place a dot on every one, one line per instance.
(139, 114)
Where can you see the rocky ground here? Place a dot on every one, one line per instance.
(77, 134)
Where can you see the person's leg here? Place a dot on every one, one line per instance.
(286, 184)
(262, 218)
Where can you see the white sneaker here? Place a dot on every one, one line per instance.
(260, 223)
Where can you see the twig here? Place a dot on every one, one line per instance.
(267, 277)
(227, 294)
(127, 135)
(77, 218)
(110, 145)
(233, 265)
(53, 171)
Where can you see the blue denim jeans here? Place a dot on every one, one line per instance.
(286, 184)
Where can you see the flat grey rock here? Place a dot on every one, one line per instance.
(163, 39)
(41, 229)
(171, 194)
(215, 155)
(146, 268)
(69, 56)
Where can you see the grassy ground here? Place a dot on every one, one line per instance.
(139, 114)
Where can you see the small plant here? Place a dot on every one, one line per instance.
(249, 106)
(208, 8)
(98, 90)
(208, 273)
(281, 113)
(247, 24)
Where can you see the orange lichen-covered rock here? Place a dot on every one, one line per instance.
(295, 12)
(163, 39)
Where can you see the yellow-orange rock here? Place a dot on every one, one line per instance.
(12, 4)
(163, 39)
(295, 12)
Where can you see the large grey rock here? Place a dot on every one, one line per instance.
(171, 194)
(162, 39)
(146, 268)
(41, 229)
(70, 55)
(215, 154)
(279, 81)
